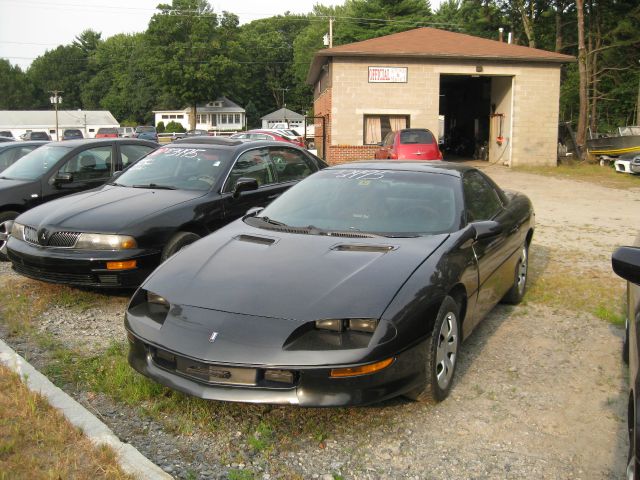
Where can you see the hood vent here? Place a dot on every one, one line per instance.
(255, 239)
(350, 247)
(350, 235)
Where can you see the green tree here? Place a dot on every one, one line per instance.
(190, 41)
(17, 90)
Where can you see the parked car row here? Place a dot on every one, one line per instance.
(426, 249)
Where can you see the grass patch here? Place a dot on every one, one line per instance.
(36, 441)
(587, 172)
(556, 281)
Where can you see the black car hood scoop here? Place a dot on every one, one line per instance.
(291, 276)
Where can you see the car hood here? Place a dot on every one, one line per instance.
(108, 209)
(251, 271)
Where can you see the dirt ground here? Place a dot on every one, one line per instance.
(540, 390)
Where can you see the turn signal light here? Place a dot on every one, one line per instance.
(362, 370)
(126, 265)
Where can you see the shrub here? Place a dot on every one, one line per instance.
(174, 127)
(160, 127)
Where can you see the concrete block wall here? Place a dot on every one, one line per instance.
(531, 118)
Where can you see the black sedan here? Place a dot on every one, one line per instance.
(58, 169)
(354, 286)
(116, 235)
(626, 263)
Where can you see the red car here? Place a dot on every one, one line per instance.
(107, 133)
(264, 135)
(409, 144)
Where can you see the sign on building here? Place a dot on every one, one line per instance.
(387, 74)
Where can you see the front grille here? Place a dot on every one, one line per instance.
(204, 372)
(56, 277)
(57, 239)
(30, 235)
(63, 239)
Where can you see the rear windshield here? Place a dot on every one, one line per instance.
(416, 136)
(107, 130)
(145, 129)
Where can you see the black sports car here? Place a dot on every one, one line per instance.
(354, 286)
(626, 263)
(114, 236)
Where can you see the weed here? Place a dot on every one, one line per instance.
(240, 475)
(591, 173)
(262, 438)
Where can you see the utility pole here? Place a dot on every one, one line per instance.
(284, 104)
(56, 99)
(331, 32)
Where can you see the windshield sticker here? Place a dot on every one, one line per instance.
(364, 182)
(360, 174)
(216, 164)
(180, 152)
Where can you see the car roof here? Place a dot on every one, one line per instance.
(24, 143)
(97, 141)
(428, 166)
(231, 143)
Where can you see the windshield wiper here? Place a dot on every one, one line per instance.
(154, 185)
(272, 222)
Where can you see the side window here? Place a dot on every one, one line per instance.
(290, 164)
(90, 164)
(252, 164)
(388, 140)
(7, 157)
(131, 153)
(481, 199)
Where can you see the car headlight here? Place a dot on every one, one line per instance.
(99, 241)
(367, 325)
(17, 231)
(157, 307)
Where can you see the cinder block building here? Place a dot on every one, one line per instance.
(465, 89)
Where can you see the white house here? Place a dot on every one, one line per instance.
(284, 115)
(88, 121)
(218, 116)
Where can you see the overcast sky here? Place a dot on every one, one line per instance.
(28, 28)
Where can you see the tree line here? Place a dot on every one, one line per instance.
(190, 54)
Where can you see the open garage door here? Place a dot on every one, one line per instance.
(476, 111)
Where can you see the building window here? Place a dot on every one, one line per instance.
(237, 121)
(164, 117)
(179, 116)
(223, 118)
(376, 127)
(198, 119)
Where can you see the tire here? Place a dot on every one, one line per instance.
(632, 462)
(625, 344)
(6, 220)
(516, 292)
(441, 356)
(177, 243)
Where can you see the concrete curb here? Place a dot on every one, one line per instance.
(130, 459)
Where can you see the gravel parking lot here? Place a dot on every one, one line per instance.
(541, 391)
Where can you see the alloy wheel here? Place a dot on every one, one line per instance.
(446, 350)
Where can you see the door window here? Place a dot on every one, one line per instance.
(252, 164)
(90, 164)
(290, 164)
(481, 199)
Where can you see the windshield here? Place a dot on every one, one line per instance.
(177, 168)
(373, 201)
(145, 129)
(35, 164)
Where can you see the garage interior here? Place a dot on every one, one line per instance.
(476, 110)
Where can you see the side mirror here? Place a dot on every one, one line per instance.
(244, 184)
(626, 263)
(486, 229)
(63, 177)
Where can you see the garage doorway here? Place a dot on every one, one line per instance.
(477, 114)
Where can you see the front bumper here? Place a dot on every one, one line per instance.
(86, 268)
(312, 385)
